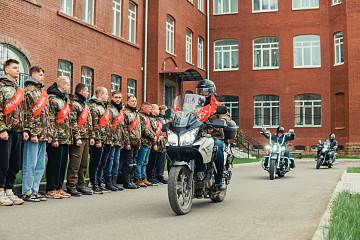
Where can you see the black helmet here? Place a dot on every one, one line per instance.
(206, 86)
(280, 129)
(332, 136)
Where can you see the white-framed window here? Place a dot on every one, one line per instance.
(266, 111)
(89, 7)
(65, 69)
(226, 53)
(265, 5)
(307, 110)
(115, 83)
(304, 4)
(232, 105)
(170, 26)
(336, 2)
(87, 78)
(191, 1)
(266, 53)
(307, 51)
(132, 22)
(131, 87)
(67, 7)
(117, 17)
(201, 5)
(200, 55)
(339, 51)
(225, 6)
(189, 35)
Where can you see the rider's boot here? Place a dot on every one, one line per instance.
(220, 182)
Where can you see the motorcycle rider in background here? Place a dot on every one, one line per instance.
(333, 146)
(278, 138)
(207, 89)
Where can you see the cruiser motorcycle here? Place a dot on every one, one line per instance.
(191, 154)
(324, 157)
(275, 161)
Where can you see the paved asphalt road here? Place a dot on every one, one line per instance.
(254, 208)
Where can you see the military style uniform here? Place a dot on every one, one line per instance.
(82, 129)
(155, 127)
(36, 124)
(12, 123)
(60, 129)
(161, 156)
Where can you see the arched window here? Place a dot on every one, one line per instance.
(87, 78)
(308, 110)
(188, 54)
(170, 28)
(10, 52)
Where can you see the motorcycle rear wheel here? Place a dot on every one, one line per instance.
(318, 163)
(272, 169)
(180, 198)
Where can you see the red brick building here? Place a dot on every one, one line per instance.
(290, 63)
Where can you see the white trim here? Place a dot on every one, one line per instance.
(170, 35)
(188, 46)
(261, 10)
(132, 22)
(88, 8)
(116, 22)
(225, 70)
(221, 12)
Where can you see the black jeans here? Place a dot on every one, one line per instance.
(129, 160)
(161, 160)
(152, 164)
(98, 158)
(10, 159)
(56, 166)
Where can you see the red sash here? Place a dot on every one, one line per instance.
(134, 123)
(40, 104)
(158, 130)
(104, 119)
(207, 110)
(14, 101)
(63, 113)
(147, 123)
(118, 118)
(83, 116)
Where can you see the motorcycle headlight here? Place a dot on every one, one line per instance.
(172, 138)
(282, 148)
(188, 138)
(275, 148)
(323, 150)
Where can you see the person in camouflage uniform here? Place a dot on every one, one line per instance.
(116, 118)
(37, 125)
(207, 89)
(102, 126)
(132, 141)
(148, 139)
(81, 129)
(161, 143)
(12, 107)
(58, 149)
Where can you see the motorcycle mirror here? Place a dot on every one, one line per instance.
(319, 141)
(221, 110)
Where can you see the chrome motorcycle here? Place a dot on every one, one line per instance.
(324, 157)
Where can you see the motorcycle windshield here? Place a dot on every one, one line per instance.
(185, 108)
(327, 144)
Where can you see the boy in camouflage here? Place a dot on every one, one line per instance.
(101, 125)
(116, 118)
(132, 141)
(11, 131)
(37, 125)
(81, 128)
(148, 139)
(58, 149)
(161, 143)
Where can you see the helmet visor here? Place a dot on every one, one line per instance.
(203, 91)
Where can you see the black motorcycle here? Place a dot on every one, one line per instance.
(191, 154)
(324, 157)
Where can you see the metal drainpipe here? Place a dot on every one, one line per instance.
(145, 48)
(208, 39)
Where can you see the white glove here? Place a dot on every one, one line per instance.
(263, 129)
(291, 131)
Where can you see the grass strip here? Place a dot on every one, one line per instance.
(353, 170)
(345, 217)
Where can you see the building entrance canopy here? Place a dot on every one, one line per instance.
(184, 74)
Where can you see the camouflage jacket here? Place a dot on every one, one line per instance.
(147, 133)
(57, 101)
(40, 124)
(14, 120)
(97, 110)
(160, 139)
(117, 132)
(132, 137)
(77, 105)
(218, 132)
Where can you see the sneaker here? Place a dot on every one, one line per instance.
(4, 200)
(97, 190)
(63, 193)
(29, 196)
(83, 191)
(154, 182)
(105, 190)
(15, 199)
(54, 194)
(90, 185)
(41, 197)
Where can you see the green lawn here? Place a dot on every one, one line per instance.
(353, 170)
(337, 156)
(345, 217)
(245, 160)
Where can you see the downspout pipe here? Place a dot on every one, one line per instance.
(208, 39)
(145, 48)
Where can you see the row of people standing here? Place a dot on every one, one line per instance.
(67, 127)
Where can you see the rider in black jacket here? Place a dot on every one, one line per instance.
(333, 146)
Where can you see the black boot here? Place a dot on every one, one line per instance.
(127, 183)
(109, 185)
(132, 180)
(113, 178)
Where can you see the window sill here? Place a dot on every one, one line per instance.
(269, 68)
(268, 11)
(260, 127)
(219, 14)
(226, 70)
(190, 63)
(309, 126)
(335, 4)
(339, 128)
(34, 2)
(338, 64)
(299, 9)
(172, 54)
(301, 67)
(95, 28)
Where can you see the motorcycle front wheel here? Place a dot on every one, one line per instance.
(180, 197)
(272, 169)
(219, 197)
(318, 163)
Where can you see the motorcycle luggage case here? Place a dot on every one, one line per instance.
(231, 130)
